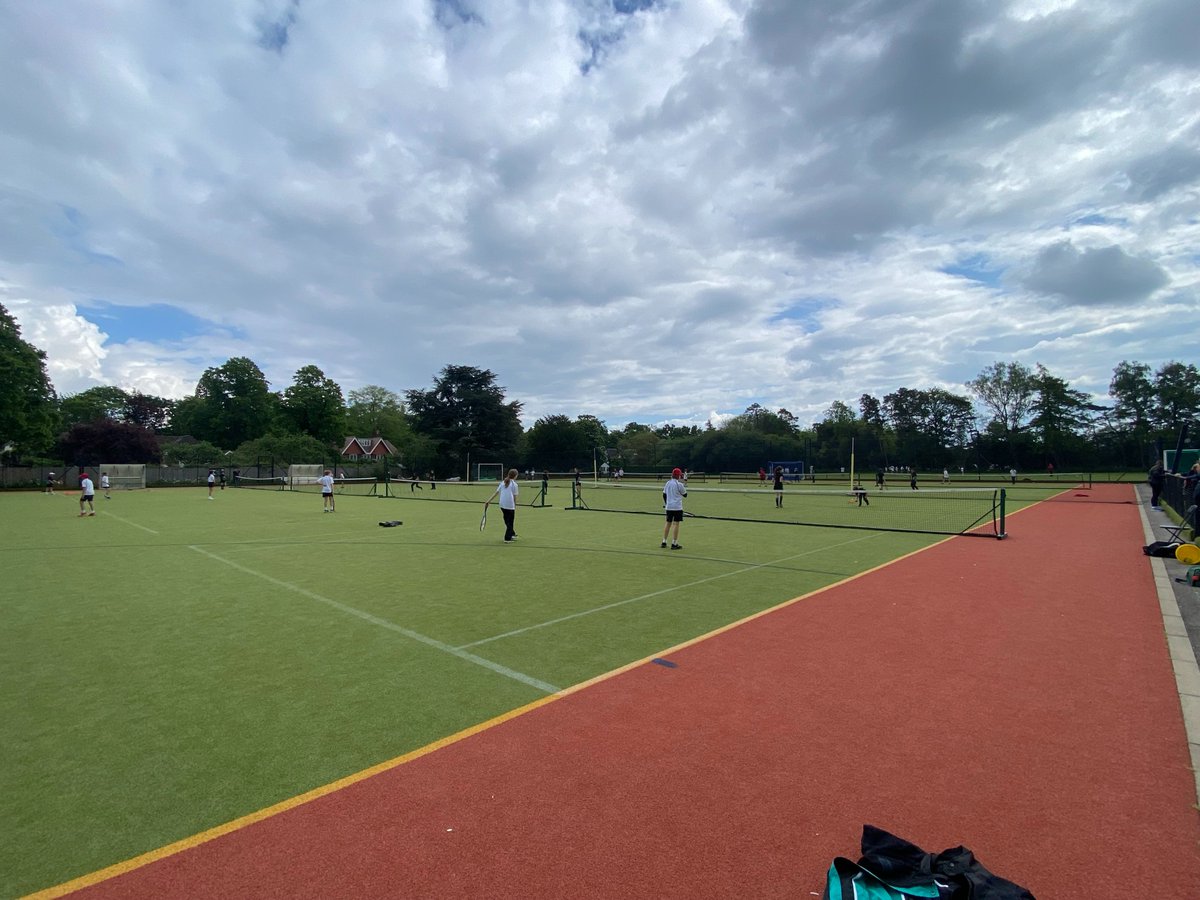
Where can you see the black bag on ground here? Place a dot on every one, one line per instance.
(1161, 548)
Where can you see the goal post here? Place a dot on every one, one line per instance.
(489, 471)
(124, 476)
(304, 473)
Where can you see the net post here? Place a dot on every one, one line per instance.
(1002, 533)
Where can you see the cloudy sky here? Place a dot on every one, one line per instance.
(645, 210)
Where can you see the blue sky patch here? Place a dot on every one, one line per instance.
(805, 311)
(71, 229)
(1096, 219)
(975, 268)
(158, 322)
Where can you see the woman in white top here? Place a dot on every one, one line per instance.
(508, 491)
(326, 481)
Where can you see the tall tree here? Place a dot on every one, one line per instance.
(149, 411)
(555, 442)
(28, 405)
(313, 404)
(1177, 394)
(1061, 414)
(373, 411)
(466, 415)
(1006, 389)
(106, 441)
(1133, 392)
(234, 405)
(94, 404)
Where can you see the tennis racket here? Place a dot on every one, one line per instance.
(483, 519)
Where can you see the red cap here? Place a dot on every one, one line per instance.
(675, 473)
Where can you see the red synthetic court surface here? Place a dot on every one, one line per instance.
(1013, 696)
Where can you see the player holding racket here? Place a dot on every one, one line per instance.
(673, 493)
(508, 492)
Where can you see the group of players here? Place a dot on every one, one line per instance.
(87, 491)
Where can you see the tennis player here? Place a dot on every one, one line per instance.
(326, 481)
(508, 491)
(104, 485)
(87, 493)
(673, 493)
(50, 483)
(777, 487)
(212, 482)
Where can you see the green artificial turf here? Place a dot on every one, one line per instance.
(174, 663)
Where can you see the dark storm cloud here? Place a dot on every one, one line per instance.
(1093, 277)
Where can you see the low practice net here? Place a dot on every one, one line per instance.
(262, 483)
(362, 487)
(970, 511)
(530, 492)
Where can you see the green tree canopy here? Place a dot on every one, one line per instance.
(233, 404)
(283, 449)
(1006, 390)
(313, 405)
(93, 405)
(28, 404)
(105, 441)
(466, 415)
(1177, 394)
(375, 411)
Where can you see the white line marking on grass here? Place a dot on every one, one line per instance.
(678, 587)
(391, 626)
(105, 512)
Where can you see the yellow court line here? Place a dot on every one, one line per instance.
(203, 837)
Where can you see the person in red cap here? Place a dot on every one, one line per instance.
(673, 493)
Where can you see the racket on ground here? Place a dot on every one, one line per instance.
(483, 519)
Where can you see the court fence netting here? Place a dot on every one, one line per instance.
(978, 512)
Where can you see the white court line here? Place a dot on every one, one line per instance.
(678, 587)
(391, 626)
(105, 512)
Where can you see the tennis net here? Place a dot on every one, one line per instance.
(360, 487)
(261, 482)
(973, 511)
(530, 493)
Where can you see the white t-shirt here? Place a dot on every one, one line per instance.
(326, 484)
(212, 478)
(673, 493)
(88, 488)
(508, 494)
(104, 482)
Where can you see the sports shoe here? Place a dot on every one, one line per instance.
(1159, 508)
(92, 513)
(664, 545)
(677, 546)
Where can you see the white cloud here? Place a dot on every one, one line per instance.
(619, 214)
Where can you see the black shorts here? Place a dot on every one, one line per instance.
(326, 493)
(674, 515)
(87, 498)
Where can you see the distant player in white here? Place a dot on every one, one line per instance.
(104, 485)
(212, 482)
(673, 493)
(508, 490)
(326, 491)
(87, 493)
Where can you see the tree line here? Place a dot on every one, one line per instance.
(1008, 416)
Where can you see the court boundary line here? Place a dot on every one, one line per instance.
(496, 667)
(217, 831)
(678, 587)
(105, 512)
